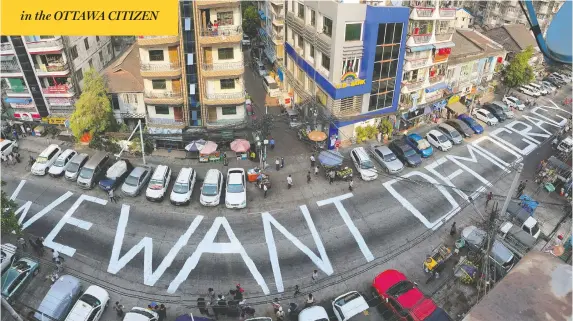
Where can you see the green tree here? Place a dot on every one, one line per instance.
(386, 127)
(251, 20)
(518, 72)
(9, 220)
(93, 109)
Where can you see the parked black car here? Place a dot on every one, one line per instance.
(555, 82)
(461, 127)
(405, 153)
(496, 111)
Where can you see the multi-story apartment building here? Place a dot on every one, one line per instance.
(43, 75)
(497, 13)
(272, 30)
(429, 44)
(348, 55)
(218, 30)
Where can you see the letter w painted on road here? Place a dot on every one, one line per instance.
(150, 277)
(322, 262)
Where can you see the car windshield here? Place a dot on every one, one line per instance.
(73, 167)
(235, 188)
(209, 190)
(86, 173)
(366, 164)
(41, 160)
(410, 152)
(148, 315)
(91, 300)
(455, 133)
(156, 184)
(181, 188)
(400, 288)
(21, 266)
(471, 121)
(423, 144)
(389, 157)
(131, 180)
(347, 298)
(59, 163)
(441, 138)
(535, 229)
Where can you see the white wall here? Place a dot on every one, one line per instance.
(240, 113)
(237, 54)
(95, 47)
(151, 113)
(131, 103)
(214, 86)
(144, 55)
(148, 85)
(463, 19)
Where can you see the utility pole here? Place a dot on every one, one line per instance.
(491, 228)
(512, 188)
(11, 310)
(141, 138)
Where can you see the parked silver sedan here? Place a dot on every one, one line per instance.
(136, 181)
(386, 158)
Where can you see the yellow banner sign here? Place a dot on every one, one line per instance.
(454, 99)
(355, 82)
(54, 120)
(80, 18)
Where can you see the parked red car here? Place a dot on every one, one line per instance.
(404, 299)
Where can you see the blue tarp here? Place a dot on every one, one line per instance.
(420, 48)
(18, 100)
(528, 203)
(330, 158)
(435, 87)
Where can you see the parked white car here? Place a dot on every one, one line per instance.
(438, 140)
(486, 117)
(212, 187)
(8, 252)
(157, 187)
(236, 192)
(363, 164)
(313, 313)
(529, 91)
(183, 187)
(90, 306)
(141, 314)
(60, 165)
(539, 88)
(549, 85)
(348, 305)
(513, 102)
(46, 159)
(8, 146)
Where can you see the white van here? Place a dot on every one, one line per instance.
(46, 159)
(363, 164)
(61, 163)
(540, 89)
(183, 187)
(532, 91)
(158, 183)
(271, 86)
(211, 189)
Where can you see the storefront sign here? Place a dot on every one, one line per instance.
(350, 79)
(27, 116)
(55, 120)
(454, 99)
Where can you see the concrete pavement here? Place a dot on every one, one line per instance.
(392, 222)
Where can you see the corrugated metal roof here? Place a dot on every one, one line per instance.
(472, 45)
(538, 288)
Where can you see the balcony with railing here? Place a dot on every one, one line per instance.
(422, 9)
(6, 47)
(166, 122)
(445, 34)
(149, 41)
(161, 70)
(10, 67)
(53, 68)
(415, 63)
(231, 98)
(410, 85)
(278, 20)
(420, 39)
(17, 92)
(54, 44)
(59, 91)
(220, 69)
(163, 98)
(278, 2)
(217, 3)
(237, 123)
(447, 12)
(436, 78)
(221, 34)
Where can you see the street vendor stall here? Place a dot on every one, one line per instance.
(316, 138)
(194, 148)
(332, 160)
(241, 147)
(436, 259)
(209, 153)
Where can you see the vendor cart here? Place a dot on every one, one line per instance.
(264, 179)
(331, 160)
(434, 261)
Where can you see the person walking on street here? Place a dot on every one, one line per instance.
(282, 162)
(296, 290)
(22, 243)
(111, 196)
(278, 164)
(289, 181)
(309, 301)
(162, 312)
(15, 133)
(312, 160)
(56, 256)
(272, 143)
(331, 175)
(316, 170)
(212, 296)
(314, 275)
(118, 309)
(351, 184)
(488, 198)
(265, 190)
(308, 177)
(276, 304)
(453, 230)
(280, 314)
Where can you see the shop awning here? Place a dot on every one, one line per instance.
(420, 48)
(23, 101)
(444, 45)
(457, 107)
(435, 87)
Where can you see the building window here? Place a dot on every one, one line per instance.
(79, 74)
(300, 42)
(301, 11)
(101, 57)
(162, 110)
(229, 110)
(97, 38)
(225, 18)
(130, 98)
(312, 18)
(114, 102)
(386, 66)
(300, 75)
(91, 64)
(74, 52)
(327, 26)
(226, 53)
(156, 55)
(110, 49)
(227, 83)
(159, 84)
(86, 43)
(311, 51)
(325, 62)
(353, 32)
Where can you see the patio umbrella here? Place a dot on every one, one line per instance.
(316, 136)
(209, 148)
(240, 145)
(196, 145)
(330, 158)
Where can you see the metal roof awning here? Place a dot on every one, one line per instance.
(18, 100)
(435, 87)
(457, 107)
(444, 45)
(420, 48)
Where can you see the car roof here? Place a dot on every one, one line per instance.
(160, 170)
(435, 132)
(313, 313)
(138, 171)
(383, 149)
(48, 150)
(446, 126)
(385, 280)
(415, 136)
(352, 307)
(66, 153)
(212, 176)
(79, 157)
(235, 178)
(5, 142)
(184, 174)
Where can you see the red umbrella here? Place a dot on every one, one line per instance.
(240, 145)
(209, 148)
